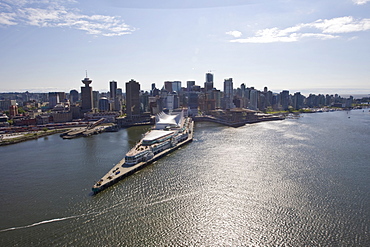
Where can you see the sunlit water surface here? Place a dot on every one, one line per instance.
(297, 182)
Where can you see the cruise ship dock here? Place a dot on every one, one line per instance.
(169, 133)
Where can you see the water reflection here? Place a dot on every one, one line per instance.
(267, 184)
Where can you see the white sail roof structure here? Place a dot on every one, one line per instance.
(163, 120)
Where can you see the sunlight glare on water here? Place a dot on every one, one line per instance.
(293, 182)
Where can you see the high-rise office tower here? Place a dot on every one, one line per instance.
(284, 99)
(242, 88)
(189, 84)
(176, 86)
(112, 90)
(86, 96)
(253, 99)
(209, 77)
(103, 104)
(228, 93)
(56, 98)
(95, 99)
(73, 96)
(172, 86)
(168, 86)
(132, 98)
(208, 85)
(53, 99)
(119, 94)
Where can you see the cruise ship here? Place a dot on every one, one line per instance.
(169, 133)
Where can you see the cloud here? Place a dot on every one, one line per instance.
(320, 29)
(235, 34)
(345, 24)
(7, 19)
(56, 14)
(360, 2)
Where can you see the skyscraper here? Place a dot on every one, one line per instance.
(86, 96)
(253, 99)
(209, 77)
(172, 86)
(56, 98)
(103, 104)
(112, 90)
(189, 84)
(284, 99)
(132, 98)
(208, 85)
(73, 96)
(228, 93)
(53, 99)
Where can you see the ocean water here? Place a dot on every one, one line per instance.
(296, 182)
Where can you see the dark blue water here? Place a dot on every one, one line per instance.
(297, 182)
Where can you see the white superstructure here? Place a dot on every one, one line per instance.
(167, 132)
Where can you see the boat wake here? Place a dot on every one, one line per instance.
(170, 199)
(44, 222)
(106, 210)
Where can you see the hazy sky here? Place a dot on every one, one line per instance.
(309, 46)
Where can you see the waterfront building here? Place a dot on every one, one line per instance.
(193, 103)
(103, 104)
(61, 116)
(76, 112)
(216, 95)
(132, 99)
(253, 99)
(4, 120)
(96, 97)
(268, 95)
(284, 99)
(109, 116)
(349, 102)
(297, 101)
(86, 96)
(261, 101)
(73, 96)
(228, 94)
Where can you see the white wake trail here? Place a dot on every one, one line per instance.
(44, 222)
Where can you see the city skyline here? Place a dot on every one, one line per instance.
(308, 47)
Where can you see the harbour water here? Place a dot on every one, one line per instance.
(296, 182)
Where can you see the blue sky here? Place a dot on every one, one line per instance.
(308, 46)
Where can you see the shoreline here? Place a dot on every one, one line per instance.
(27, 137)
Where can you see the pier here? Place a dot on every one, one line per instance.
(232, 122)
(91, 129)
